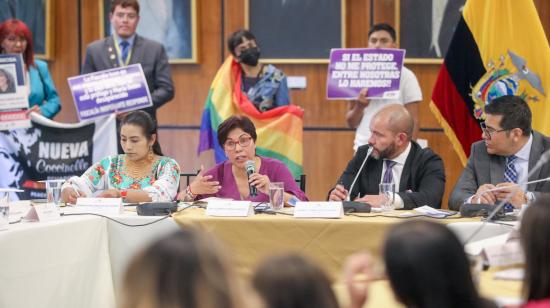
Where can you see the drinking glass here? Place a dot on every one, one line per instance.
(53, 191)
(4, 209)
(387, 190)
(276, 195)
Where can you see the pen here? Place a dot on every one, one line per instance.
(75, 189)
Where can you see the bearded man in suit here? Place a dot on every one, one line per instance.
(418, 174)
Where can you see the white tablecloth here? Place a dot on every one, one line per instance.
(79, 261)
(56, 264)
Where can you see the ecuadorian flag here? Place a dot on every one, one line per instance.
(279, 130)
(499, 48)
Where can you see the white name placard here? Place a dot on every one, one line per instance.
(109, 206)
(319, 210)
(43, 212)
(229, 208)
(504, 255)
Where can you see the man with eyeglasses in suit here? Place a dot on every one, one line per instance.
(508, 152)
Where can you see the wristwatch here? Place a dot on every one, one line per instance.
(123, 194)
(529, 196)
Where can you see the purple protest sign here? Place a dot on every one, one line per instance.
(353, 69)
(101, 93)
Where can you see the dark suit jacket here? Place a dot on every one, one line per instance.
(101, 55)
(422, 180)
(483, 168)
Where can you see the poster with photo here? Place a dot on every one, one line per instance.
(14, 96)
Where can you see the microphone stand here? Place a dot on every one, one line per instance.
(369, 151)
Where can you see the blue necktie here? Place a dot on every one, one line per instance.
(124, 50)
(510, 175)
(388, 174)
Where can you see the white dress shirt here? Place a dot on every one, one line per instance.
(397, 170)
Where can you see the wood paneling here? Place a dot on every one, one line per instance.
(65, 59)
(326, 152)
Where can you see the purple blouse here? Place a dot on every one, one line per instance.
(274, 169)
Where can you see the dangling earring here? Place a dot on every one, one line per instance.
(150, 155)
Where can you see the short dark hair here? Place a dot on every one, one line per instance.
(514, 111)
(534, 230)
(298, 282)
(144, 120)
(125, 3)
(236, 121)
(383, 27)
(427, 266)
(237, 37)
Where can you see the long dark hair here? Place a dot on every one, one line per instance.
(185, 269)
(149, 126)
(535, 227)
(291, 281)
(428, 268)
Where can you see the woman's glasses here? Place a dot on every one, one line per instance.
(244, 141)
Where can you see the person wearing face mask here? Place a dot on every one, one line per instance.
(264, 85)
(244, 86)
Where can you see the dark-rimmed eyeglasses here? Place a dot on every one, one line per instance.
(244, 141)
(488, 131)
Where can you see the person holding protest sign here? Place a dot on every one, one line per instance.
(126, 47)
(361, 111)
(141, 174)
(16, 38)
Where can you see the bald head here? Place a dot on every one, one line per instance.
(396, 118)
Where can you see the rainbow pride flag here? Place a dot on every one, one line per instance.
(279, 130)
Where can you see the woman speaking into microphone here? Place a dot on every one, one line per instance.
(244, 175)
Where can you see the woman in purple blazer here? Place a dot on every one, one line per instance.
(229, 179)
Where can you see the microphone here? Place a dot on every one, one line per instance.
(369, 151)
(250, 168)
(542, 160)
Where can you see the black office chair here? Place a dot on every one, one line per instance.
(301, 181)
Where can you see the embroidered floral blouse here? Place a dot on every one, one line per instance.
(161, 185)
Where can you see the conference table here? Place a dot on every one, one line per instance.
(79, 260)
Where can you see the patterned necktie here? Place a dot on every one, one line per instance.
(511, 176)
(124, 50)
(388, 174)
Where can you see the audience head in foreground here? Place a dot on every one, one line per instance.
(534, 231)
(426, 266)
(186, 269)
(229, 179)
(141, 174)
(292, 281)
